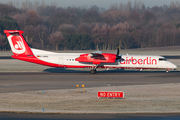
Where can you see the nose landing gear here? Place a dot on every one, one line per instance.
(167, 70)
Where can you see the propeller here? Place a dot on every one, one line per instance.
(117, 55)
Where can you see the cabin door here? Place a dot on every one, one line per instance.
(61, 61)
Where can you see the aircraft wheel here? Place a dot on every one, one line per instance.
(92, 71)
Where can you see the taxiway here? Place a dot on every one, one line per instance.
(17, 82)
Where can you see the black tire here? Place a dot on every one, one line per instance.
(92, 71)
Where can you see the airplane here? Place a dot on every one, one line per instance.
(22, 51)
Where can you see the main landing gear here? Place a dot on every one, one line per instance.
(93, 71)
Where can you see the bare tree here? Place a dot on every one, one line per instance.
(121, 6)
(84, 28)
(17, 4)
(56, 39)
(67, 29)
(21, 19)
(114, 7)
(11, 3)
(147, 16)
(8, 9)
(28, 18)
(104, 32)
(2, 41)
(33, 18)
(61, 17)
(138, 4)
(91, 15)
(133, 17)
(96, 36)
(166, 34)
(36, 5)
(129, 6)
(41, 31)
(114, 17)
(120, 34)
(123, 26)
(46, 11)
(138, 36)
(29, 33)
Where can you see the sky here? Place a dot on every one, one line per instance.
(100, 3)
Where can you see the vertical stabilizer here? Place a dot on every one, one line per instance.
(17, 42)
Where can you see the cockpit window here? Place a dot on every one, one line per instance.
(162, 59)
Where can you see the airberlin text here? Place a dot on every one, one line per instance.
(134, 61)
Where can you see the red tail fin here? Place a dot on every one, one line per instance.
(17, 42)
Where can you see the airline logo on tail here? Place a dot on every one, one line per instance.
(16, 44)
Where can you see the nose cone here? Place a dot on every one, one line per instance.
(175, 66)
(172, 66)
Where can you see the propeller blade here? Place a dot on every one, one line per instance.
(117, 52)
(117, 55)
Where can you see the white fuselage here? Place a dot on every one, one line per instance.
(126, 62)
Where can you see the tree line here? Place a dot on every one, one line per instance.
(127, 25)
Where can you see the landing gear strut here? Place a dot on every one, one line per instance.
(93, 71)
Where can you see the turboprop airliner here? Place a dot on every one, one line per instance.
(94, 60)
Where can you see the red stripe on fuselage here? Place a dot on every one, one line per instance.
(33, 59)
